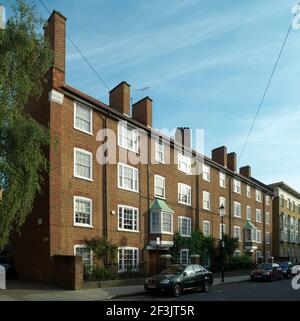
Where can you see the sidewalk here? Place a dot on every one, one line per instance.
(27, 291)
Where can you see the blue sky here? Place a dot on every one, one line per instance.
(206, 63)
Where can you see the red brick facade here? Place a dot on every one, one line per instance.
(50, 232)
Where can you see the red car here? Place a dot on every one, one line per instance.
(267, 272)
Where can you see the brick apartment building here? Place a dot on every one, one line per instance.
(130, 205)
(286, 222)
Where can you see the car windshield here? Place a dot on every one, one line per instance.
(264, 266)
(284, 264)
(173, 269)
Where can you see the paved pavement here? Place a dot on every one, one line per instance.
(28, 291)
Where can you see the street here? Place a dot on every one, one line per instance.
(243, 291)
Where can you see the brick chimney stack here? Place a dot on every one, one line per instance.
(55, 31)
(119, 98)
(219, 155)
(142, 111)
(232, 161)
(183, 136)
(246, 171)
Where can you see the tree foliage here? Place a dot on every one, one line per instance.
(25, 56)
(102, 249)
(197, 244)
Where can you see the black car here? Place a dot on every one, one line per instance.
(267, 272)
(286, 269)
(179, 277)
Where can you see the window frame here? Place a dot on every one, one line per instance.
(189, 197)
(85, 199)
(209, 226)
(247, 217)
(83, 246)
(78, 104)
(248, 191)
(222, 174)
(122, 229)
(122, 248)
(135, 170)
(257, 210)
(268, 221)
(83, 151)
(237, 228)
(188, 259)
(206, 174)
(159, 142)
(234, 209)
(183, 159)
(164, 186)
(189, 225)
(160, 228)
(121, 137)
(204, 200)
(258, 195)
(237, 186)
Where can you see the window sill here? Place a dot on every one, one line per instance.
(83, 131)
(128, 190)
(160, 197)
(129, 150)
(186, 204)
(84, 178)
(83, 225)
(160, 232)
(130, 231)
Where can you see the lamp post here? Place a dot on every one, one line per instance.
(157, 253)
(222, 210)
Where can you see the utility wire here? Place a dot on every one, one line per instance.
(267, 88)
(79, 51)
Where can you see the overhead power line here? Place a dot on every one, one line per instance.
(80, 52)
(267, 88)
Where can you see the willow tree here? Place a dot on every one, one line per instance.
(25, 56)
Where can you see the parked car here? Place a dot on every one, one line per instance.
(267, 272)
(295, 270)
(179, 277)
(286, 269)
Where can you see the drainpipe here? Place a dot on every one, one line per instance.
(105, 195)
(264, 225)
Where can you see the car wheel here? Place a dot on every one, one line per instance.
(281, 277)
(205, 286)
(177, 290)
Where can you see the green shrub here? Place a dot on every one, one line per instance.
(96, 273)
(101, 273)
